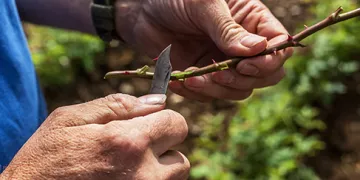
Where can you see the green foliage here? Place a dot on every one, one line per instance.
(54, 51)
(272, 131)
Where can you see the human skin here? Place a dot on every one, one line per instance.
(199, 31)
(116, 137)
(202, 30)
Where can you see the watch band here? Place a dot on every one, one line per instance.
(102, 13)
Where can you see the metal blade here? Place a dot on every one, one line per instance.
(162, 73)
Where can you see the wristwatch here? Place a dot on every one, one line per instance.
(103, 17)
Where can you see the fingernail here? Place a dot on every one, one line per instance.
(195, 82)
(248, 69)
(251, 40)
(153, 99)
(224, 77)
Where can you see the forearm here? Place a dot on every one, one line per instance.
(68, 14)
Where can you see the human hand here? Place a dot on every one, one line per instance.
(116, 137)
(202, 30)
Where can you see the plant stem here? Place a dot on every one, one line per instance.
(292, 41)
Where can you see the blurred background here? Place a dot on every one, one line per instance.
(306, 127)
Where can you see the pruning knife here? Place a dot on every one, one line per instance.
(162, 73)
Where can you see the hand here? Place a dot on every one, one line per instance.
(202, 30)
(116, 137)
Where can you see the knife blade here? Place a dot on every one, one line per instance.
(162, 73)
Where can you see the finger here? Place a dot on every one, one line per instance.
(271, 80)
(174, 165)
(163, 129)
(112, 107)
(205, 85)
(232, 79)
(179, 88)
(215, 19)
(265, 65)
(255, 17)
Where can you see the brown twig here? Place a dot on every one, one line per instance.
(292, 41)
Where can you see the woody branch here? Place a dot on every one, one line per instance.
(292, 41)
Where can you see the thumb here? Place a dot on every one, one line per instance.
(229, 36)
(109, 108)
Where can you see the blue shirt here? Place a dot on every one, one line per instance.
(22, 107)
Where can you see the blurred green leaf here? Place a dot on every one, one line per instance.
(54, 52)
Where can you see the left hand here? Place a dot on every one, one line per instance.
(201, 30)
(115, 137)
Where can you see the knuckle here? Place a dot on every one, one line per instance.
(177, 121)
(119, 104)
(119, 97)
(196, 3)
(118, 139)
(67, 116)
(102, 111)
(257, 6)
(119, 100)
(60, 111)
(229, 31)
(112, 134)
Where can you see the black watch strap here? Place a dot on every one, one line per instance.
(103, 17)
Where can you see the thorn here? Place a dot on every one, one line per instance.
(290, 38)
(336, 14)
(126, 73)
(306, 26)
(338, 11)
(299, 44)
(275, 51)
(214, 61)
(155, 59)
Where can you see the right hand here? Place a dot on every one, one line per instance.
(116, 137)
(201, 30)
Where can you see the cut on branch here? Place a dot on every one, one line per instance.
(292, 41)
